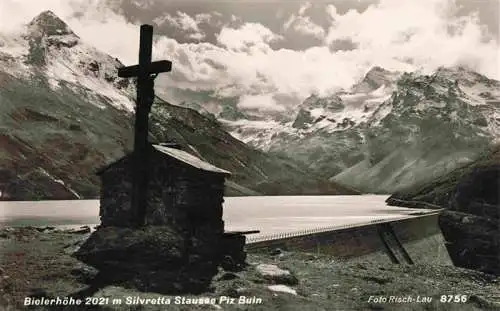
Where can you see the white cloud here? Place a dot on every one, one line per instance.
(183, 21)
(331, 10)
(289, 21)
(160, 20)
(186, 22)
(418, 31)
(303, 24)
(197, 36)
(203, 18)
(248, 35)
(260, 102)
(143, 4)
(303, 8)
(243, 62)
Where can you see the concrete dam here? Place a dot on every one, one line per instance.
(406, 240)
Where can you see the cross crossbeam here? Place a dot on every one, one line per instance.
(155, 68)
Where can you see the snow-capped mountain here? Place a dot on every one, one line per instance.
(389, 130)
(338, 112)
(64, 113)
(49, 47)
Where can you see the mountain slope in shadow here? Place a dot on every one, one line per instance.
(471, 222)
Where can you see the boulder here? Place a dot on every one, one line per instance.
(152, 258)
(84, 273)
(19, 233)
(276, 275)
(6, 232)
(110, 246)
(74, 245)
(45, 229)
(282, 289)
(276, 252)
(225, 277)
(81, 230)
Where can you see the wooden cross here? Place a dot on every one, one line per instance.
(145, 72)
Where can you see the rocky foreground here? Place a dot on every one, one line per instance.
(38, 263)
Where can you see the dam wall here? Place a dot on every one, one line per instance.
(423, 240)
(413, 239)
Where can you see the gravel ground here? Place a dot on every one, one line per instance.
(38, 264)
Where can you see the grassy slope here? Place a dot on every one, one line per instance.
(440, 190)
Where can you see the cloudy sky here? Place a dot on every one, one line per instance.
(264, 50)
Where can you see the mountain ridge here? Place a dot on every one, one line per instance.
(390, 135)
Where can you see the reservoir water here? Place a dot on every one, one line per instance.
(269, 214)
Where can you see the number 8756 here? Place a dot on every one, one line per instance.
(453, 298)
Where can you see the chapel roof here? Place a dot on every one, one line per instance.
(177, 154)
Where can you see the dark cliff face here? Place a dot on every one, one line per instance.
(471, 222)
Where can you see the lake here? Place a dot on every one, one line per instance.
(269, 214)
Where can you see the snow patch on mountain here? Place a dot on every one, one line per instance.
(61, 182)
(256, 132)
(12, 50)
(52, 50)
(14, 46)
(86, 67)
